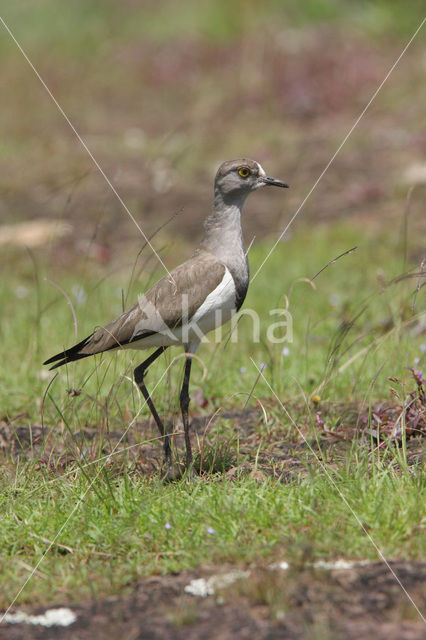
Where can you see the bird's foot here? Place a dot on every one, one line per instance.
(178, 471)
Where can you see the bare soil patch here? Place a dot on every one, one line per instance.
(263, 450)
(302, 601)
(361, 602)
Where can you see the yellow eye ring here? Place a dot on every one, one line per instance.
(244, 172)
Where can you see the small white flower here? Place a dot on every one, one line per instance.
(335, 300)
(21, 292)
(167, 526)
(243, 370)
(80, 296)
(44, 374)
(135, 138)
(263, 366)
(285, 352)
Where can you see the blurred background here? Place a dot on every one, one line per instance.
(162, 92)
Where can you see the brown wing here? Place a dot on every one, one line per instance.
(163, 306)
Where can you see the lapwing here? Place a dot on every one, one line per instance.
(196, 297)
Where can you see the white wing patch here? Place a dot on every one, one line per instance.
(217, 308)
(220, 302)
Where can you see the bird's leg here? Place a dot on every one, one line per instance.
(139, 374)
(184, 404)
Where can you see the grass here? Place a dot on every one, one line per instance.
(122, 527)
(348, 330)
(116, 529)
(79, 28)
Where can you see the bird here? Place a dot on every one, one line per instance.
(193, 299)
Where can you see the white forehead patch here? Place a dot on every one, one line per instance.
(261, 170)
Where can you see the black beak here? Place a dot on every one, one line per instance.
(273, 182)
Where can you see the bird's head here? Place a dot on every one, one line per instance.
(236, 178)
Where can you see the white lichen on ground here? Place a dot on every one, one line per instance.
(207, 587)
(61, 617)
(203, 587)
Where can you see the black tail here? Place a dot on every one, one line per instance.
(69, 354)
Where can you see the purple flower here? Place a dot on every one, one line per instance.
(319, 420)
(418, 376)
(167, 526)
(211, 530)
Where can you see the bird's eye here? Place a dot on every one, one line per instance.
(244, 172)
